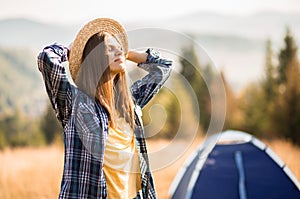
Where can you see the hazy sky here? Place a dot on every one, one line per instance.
(74, 11)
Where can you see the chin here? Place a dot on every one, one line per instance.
(118, 69)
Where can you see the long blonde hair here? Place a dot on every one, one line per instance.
(94, 78)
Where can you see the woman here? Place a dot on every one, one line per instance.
(105, 148)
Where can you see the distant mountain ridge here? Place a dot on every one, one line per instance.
(26, 32)
(236, 44)
(21, 86)
(260, 25)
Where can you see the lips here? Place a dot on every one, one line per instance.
(118, 60)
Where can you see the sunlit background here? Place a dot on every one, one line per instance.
(252, 43)
(75, 11)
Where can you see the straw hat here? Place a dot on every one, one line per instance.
(95, 26)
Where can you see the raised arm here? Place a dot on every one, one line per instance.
(159, 70)
(57, 85)
(137, 57)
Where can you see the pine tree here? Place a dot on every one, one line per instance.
(2, 139)
(190, 63)
(269, 91)
(269, 82)
(231, 119)
(194, 73)
(50, 126)
(286, 116)
(292, 97)
(14, 129)
(286, 56)
(173, 118)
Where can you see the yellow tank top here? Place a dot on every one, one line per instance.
(121, 163)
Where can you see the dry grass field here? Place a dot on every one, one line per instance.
(34, 173)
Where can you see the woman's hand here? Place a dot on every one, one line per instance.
(137, 57)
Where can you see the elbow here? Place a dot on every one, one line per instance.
(168, 67)
(40, 60)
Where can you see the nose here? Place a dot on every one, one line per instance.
(119, 51)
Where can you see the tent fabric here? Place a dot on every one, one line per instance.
(185, 180)
(218, 175)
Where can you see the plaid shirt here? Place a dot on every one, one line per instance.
(85, 124)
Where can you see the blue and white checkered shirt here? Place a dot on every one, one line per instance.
(85, 124)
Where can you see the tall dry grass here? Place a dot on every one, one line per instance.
(30, 173)
(35, 173)
(288, 152)
(164, 177)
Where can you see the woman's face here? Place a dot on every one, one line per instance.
(116, 56)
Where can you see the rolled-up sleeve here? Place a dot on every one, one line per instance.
(159, 71)
(56, 81)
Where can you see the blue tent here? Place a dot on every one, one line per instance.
(234, 165)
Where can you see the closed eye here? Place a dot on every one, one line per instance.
(113, 48)
(110, 48)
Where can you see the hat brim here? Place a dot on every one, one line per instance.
(95, 26)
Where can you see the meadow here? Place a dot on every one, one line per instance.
(35, 173)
